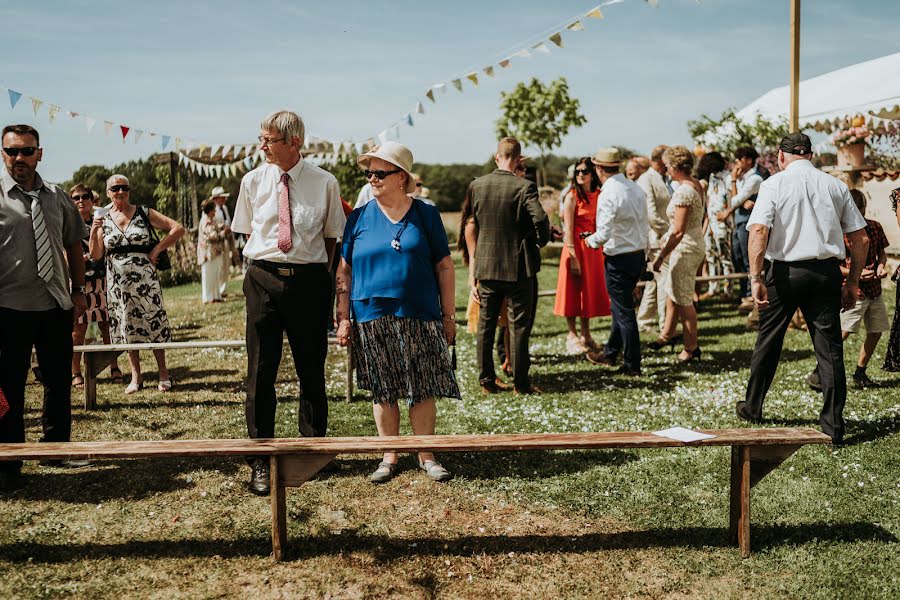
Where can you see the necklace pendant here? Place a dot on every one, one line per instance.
(395, 244)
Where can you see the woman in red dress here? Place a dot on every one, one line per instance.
(581, 289)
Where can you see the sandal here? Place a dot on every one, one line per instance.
(164, 385)
(384, 472)
(435, 471)
(115, 375)
(78, 381)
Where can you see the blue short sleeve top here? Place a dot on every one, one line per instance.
(393, 263)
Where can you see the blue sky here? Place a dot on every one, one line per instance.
(209, 71)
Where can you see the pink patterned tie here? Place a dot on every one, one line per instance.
(284, 215)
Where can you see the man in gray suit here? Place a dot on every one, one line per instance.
(512, 227)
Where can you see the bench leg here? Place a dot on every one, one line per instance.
(289, 471)
(90, 381)
(739, 505)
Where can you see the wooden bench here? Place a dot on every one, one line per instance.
(98, 356)
(754, 453)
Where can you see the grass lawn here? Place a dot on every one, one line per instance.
(633, 523)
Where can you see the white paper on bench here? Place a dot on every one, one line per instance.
(682, 434)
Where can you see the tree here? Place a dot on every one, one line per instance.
(539, 115)
(728, 133)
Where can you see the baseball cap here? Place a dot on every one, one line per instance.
(796, 143)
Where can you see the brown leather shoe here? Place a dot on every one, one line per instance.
(491, 387)
(531, 390)
(599, 358)
(502, 384)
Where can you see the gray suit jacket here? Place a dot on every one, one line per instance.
(511, 224)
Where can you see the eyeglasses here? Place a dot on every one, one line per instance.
(120, 188)
(26, 151)
(380, 174)
(419, 184)
(267, 142)
(83, 198)
(582, 171)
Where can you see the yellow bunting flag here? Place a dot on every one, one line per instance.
(594, 13)
(576, 26)
(36, 104)
(473, 77)
(556, 38)
(457, 84)
(430, 95)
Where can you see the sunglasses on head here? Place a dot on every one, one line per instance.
(120, 188)
(83, 197)
(26, 151)
(379, 174)
(582, 171)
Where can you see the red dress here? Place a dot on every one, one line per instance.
(584, 295)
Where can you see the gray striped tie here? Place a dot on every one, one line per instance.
(41, 240)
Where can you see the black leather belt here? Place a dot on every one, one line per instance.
(285, 269)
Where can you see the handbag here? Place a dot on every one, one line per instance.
(163, 261)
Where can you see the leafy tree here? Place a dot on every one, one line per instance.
(539, 115)
(728, 133)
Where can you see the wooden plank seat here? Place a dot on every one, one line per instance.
(99, 356)
(293, 461)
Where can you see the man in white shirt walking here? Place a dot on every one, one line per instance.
(622, 231)
(798, 223)
(652, 312)
(220, 197)
(292, 212)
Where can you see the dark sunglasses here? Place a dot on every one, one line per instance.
(120, 188)
(418, 185)
(583, 171)
(83, 197)
(380, 174)
(26, 151)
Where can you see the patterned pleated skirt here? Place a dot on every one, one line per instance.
(398, 358)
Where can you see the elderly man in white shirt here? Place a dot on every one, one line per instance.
(798, 223)
(652, 312)
(622, 230)
(292, 212)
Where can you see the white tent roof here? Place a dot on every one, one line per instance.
(870, 88)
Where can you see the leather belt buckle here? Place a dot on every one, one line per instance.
(284, 271)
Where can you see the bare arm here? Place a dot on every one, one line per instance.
(95, 242)
(569, 231)
(173, 229)
(756, 248)
(342, 291)
(447, 288)
(676, 234)
(858, 244)
(470, 231)
(329, 251)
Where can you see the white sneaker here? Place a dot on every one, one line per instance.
(575, 345)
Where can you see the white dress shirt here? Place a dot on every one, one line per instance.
(621, 218)
(658, 196)
(316, 213)
(807, 213)
(222, 215)
(747, 186)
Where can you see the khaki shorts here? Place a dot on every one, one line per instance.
(872, 311)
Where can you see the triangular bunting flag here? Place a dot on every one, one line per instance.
(594, 13)
(165, 141)
(71, 114)
(395, 129)
(382, 137)
(430, 95)
(226, 151)
(420, 108)
(137, 135)
(360, 147)
(36, 104)
(440, 86)
(556, 38)
(409, 120)
(473, 77)
(107, 127)
(52, 112)
(541, 47)
(89, 122)
(523, 53)
(457, 84)
(125, 131)
(504, 63)
(489, 71)
(212, 152)
(653, 3)
(178, 143)
(14, 98)
(576, 26)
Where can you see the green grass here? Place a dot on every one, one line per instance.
(635, 523)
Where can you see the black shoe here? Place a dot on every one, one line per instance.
(862, 381)
(628, 372)
(695, 353)
(813, 381)
(491, 387)
(11, 481)
(744, 414)
(331, 467)
(259, 478)
(65, 464)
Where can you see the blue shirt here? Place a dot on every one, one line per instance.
(388, 281)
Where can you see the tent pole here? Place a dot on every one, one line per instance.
(795, 66)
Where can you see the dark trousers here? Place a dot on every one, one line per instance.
(50, 332)
(740, 253)
(521, 300)
(815, 288)
(622, 274)
(297, 305)
(501, 334)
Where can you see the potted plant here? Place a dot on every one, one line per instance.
(851, 143)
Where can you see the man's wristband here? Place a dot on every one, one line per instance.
(451, 317)
(756, 277)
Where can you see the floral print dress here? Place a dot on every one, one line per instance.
(134, 296)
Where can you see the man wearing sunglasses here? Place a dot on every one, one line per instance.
(40, 233)
(293, 214)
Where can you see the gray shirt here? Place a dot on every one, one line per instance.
(20, 286)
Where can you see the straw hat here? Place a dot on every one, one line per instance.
(218, 191)
(395, 153)
(607, 157)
